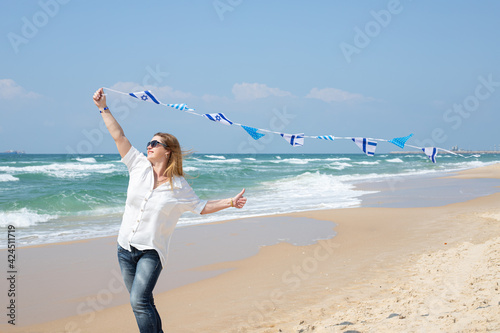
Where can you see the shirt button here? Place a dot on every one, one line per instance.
(138, 221)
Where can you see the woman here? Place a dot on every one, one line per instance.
(157, 195)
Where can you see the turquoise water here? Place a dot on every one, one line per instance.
(52, 198)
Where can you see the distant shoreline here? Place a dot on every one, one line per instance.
(456, 152)
(12, 152)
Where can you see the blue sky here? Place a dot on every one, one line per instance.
(379, 69)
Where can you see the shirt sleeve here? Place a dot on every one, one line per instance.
(188, 200)
(132, 158)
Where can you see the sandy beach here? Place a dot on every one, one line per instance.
(368, 269)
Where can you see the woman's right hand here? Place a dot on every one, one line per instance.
(100, 99)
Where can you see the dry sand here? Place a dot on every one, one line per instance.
(387, 270)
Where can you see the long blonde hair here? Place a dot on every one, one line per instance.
(174, 163)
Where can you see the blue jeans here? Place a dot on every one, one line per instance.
(140, 271)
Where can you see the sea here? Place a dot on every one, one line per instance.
(56, 197)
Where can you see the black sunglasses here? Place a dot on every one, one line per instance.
(155, 143)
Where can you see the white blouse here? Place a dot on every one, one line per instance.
(151, 214)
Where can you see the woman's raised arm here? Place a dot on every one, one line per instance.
(112, 125)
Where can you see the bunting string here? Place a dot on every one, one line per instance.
(367, 145)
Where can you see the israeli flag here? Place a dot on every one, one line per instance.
(431, 152)
(219, 117)
(181, 107)
(294, 139)
(146, 96)
(367, 146)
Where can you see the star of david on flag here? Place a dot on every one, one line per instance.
(294, 139)
(367, 146)
(218, 117)
(146, 96)
(431, 152)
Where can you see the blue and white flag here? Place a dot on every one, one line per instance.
(400, 142)
(367, 146)
(253, 132)
(219, 117)
(431, 152)
(294, 139)
(146, 96)
(182, 107)
(326, 137)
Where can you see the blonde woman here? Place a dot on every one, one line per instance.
(157, 195)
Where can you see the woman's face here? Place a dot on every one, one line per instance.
(159, 152)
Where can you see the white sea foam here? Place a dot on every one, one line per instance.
(23, 218)
(63, 170)
(219, 157)
(338, 159)
(307, 160)
(190, 168)
(395, 160)
(231, 160)
(338, 165)
(310, 190)
(86, 159)
(7, 178)
(367, 163)
(296, 160)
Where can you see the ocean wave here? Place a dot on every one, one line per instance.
(307, 191)
(310, 190)
(219, 157)
(7, 178)
(338, 165)
(395, 160)
(86, 159)
(190, 168)
(62, 170)
(307, 160)
(231, 160)
(367, 163)
(455, 166)
(338, 159)
(294, 161)
(23, 218)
